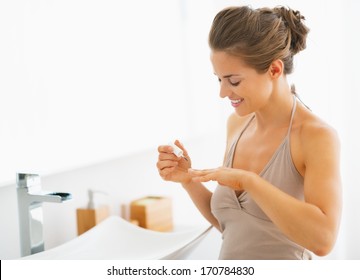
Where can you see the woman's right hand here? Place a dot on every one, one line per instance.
(171, 167)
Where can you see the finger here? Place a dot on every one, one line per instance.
(205, 178)
(165, 149)
(168, 156)
(202, 172)
(204, 175)
(166, 164)
(181, 146)
(166, 172)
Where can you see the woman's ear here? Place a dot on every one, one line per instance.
(276, 69)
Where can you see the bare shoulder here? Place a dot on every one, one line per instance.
(317, 137)
(235, 124)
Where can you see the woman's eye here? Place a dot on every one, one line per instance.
(234, 84)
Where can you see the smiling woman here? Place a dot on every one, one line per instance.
(279, 189)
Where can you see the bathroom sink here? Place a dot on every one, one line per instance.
(115, 238)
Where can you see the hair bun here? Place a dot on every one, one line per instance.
(298, 30)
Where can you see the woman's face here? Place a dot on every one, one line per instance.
(247, 90)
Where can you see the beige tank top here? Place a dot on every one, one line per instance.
(247, 232)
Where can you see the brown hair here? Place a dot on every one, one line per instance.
(259, 36)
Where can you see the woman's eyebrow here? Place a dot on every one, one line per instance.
(228, 76)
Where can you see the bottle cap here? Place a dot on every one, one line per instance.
(177, 151)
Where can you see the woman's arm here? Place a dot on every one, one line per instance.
(175, 169)
(172, 168)
(312, 223)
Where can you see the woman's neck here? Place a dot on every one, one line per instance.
(277, 111)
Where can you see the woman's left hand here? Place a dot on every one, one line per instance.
(230, 177)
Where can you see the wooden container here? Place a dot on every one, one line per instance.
(152, 212)
(88, 218)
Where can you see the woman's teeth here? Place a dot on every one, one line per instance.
(236, 102)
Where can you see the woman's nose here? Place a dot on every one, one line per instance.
(224, 91)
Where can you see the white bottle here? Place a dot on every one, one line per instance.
(177, 151)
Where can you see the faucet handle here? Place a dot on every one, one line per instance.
(25, 180)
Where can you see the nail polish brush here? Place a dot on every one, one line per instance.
(177, 151)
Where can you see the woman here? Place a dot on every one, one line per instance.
(279, 192)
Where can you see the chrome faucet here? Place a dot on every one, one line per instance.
(30, 197)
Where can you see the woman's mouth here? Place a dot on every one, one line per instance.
(236, 102)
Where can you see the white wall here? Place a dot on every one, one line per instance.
(349, 129)
(326, 76)
(83, 81)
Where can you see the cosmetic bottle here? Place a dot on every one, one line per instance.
(91, 215)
